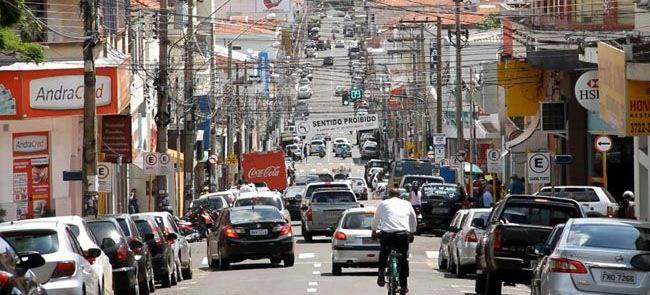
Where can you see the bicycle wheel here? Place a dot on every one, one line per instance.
(392, 286)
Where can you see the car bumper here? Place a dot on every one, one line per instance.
(356, 256)
(241, 250)
(124, 278)
(73, 286)
(467, 254)
(560, 283)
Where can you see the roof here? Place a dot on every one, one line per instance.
(32, 225)
(65, 219)
(256, 27)
(263, 194)
(242, 208)
(216, 194)
(434, 8)
(145, 3)
(609, 221)
(362, 210)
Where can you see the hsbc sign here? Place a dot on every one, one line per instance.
(586, 91)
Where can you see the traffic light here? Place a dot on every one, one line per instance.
(345, 100)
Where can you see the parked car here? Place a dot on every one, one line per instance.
(162, 256)
(543, 252)
(16, 270)
(447, 238)
(339, 43)
(182, 250)
(66, 269)
(595, 200)
(250, 232)
(101, 264)
(304, 92)
(359, 187)
(606, 256)
(321, 212)
(516, 224)
(374, 163)
(119, 250)
(463, 246)
(440, 201)
(264, 198)
(369, 150)
(316, 146)
(352, 242)
(294, 151)
(292, 197)
(143, 255)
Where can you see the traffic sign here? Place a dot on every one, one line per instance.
(563, 159)
(539, 168)
(157, 164)
(493, 160)
(603, 143)
(105, 177)
(232, 160)
(439, 153)
(356, 93)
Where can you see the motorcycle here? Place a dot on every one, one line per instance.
(200, 218)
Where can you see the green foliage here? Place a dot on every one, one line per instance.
(12, 17)
(492, 21)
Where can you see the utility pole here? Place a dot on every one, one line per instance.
(425, 94)
(188, 98)
(162, 118)
(459, 81)
(229, 110)
(439, 75)
(89, 168)
(214, 137)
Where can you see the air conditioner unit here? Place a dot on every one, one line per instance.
(553, 117)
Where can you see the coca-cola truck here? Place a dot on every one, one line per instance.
(267, 167)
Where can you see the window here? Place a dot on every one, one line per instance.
(464, 221)
(275, 202)
(333, 197)
(41, 241)
(358, 221)
(611, 236)
(538, 215)
(255, 215)
(124, 226)
(105, 229)
(74, 244)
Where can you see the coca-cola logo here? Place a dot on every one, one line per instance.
(270, 171)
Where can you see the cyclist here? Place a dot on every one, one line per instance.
(394, 223)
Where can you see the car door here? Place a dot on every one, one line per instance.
(184, 247)
(89, 276)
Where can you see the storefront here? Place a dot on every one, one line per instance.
(41, 108)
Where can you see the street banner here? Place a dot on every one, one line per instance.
(336, 124)
(31, 174)
(266, 167)
(116, 139)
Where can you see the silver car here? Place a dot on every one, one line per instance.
(447, 238)
(462, 249)
(352, 244)
(324, 209)
(66, 270)
(597, 256)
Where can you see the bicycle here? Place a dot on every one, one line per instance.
(393, 272)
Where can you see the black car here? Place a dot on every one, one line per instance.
(118, 248)
(143, 254)
(292, 197)
(250, 232)
(162, 254)
(440, 201)
(15, 274)
(328, 61)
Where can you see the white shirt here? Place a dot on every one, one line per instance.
(394, 215)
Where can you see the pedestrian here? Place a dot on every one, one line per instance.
(305, 151)
(415, 197)
(133, 202)
(486, 199)
(516, 186)
(626, 206)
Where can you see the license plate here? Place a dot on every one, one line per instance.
(439, 210)
(259, 232)
(618, 277)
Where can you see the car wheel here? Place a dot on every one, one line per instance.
(336, 269)
(289, 260)
(174, 276)
(143, 288)
(187, 272)
(166, 281)
(479, 284)
(492, 284)
(307, 235)
(179, 273)
(459, 270)
(224, 264)
(442, 263)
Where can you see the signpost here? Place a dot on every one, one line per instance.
(105, 177)
(439, 146)
(493, 160)
(539, 168)
(157, 164)
(603, 144)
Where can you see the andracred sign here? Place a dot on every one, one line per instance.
(268, 167)
(66, 92)
(32, 143)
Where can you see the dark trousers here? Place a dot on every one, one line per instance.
(400, 243)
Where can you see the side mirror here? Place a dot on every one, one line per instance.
(107, 243)
(541, 249)
(172, 237)
(148, 237)
(93, 253)
(135, 244)
(31, 260)
(478, 223)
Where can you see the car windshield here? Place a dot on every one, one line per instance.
(307, 179)
(420, 180)
(578, 194)
(359, 220)
(41, 241)
(103, 230)
(610, 236)
(316, 142)
(255, 215)
(275, 202)
(538, 214)
(333, 197)
(481, 215)
(438, 191)
(212, 202)
(292, 191)
(371, 148)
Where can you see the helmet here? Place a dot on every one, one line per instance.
(628, 195)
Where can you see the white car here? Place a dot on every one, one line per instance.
(67, 270)
(337, 141)
(304, 92)
(462, 248)
(270, 198)
(359, 187)
(352, 242)
(595, 201)
(339, 44)
(102, 264)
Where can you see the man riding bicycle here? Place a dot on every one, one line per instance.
(394, 223)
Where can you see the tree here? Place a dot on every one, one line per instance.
(492, 21)
(13, 18)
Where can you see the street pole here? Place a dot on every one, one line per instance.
(163, 117)
(439, 75)
(214, 138)
(459, 81)
(188, 98)
(424, 127)
(89, 168)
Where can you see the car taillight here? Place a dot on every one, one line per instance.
(340, 236)
(283, 229)
(230, 232)
(496, 242)
(309, 214)
(64, 269)
(471, 236)
(565, 265)
(610, 211)
(122, 253)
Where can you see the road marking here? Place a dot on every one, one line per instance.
(301, 170)
(312, 290)
(325, 169)
(204, 261)
(306, 255)
(313, 284)
(317, 273)
(312, 170)
(317, 264)
(432, 254)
